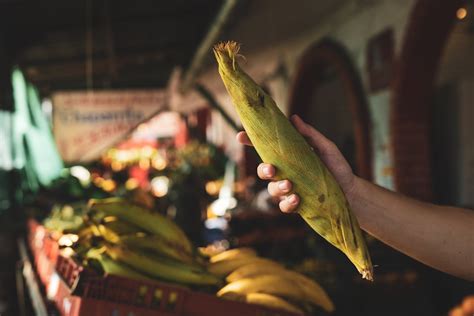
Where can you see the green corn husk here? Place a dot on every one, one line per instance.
(323, 204)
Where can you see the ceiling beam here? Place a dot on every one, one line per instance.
(77, 68)
(209, 39)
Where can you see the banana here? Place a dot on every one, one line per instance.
(141, 241)
(108, 234)
(269, 284)
(254, 269)
(85, 233)
(120, 227)
(153, 223)
(286, 284)
(157, 245)
(313, 292)
(272, 301)
(162, 269)
(109, 266)
(233, 254)
(225, 267)
(208, 251)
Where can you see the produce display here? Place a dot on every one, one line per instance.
(143, 243)
(117, 237)
(254, 279)
(323, 204)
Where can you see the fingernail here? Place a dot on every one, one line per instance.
(266, 171)
(283, 185)
(292, 199)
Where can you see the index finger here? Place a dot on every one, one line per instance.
(243, 138)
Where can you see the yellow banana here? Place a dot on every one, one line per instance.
(312, 290)
(272, 301)
(225, 267)
(233, 254)
(162, 269)
(140, 241)
(286, 284)
(108, 234)
(153, 223)
(254, 269)
(323, 204)
(269, 284)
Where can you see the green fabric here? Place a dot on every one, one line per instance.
(28, 153)
(35, 150)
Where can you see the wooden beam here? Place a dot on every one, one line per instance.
(206, 94)
(206, 44)
(76, 68)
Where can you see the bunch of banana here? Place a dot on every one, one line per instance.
(127, 240)
(265, 282)
(149, 222)
(163, 268)
(99, 260)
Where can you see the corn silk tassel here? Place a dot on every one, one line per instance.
(322, 202)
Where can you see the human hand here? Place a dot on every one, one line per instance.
(327, 152)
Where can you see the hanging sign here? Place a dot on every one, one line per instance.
(87, 123)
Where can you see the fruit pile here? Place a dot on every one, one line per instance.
(258, 280)
(121, 238)
(125, 239)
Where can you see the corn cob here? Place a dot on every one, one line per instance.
(323, 204)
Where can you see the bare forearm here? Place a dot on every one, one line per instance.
(441, 237)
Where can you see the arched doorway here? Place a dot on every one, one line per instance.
(428, 28)
(327, 92)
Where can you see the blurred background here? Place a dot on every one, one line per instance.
(117, 98)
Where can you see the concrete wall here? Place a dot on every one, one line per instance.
(453, 112)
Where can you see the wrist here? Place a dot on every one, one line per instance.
(353, 194)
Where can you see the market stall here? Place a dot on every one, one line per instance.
(127, 187)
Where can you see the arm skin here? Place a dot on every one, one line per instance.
(439, 236)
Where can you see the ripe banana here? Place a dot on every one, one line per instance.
(233, 254)
(108, 234)
(162, 269)
(254, 269)
(225, 267)
(272, 302)
(141, 241)
(286, 284)
(313, 292)
(323, 204)
(269, 284)
(150, 222)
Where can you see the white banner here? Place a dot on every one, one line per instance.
(87, 123)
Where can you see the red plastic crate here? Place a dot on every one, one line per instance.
(40, 240)
(133, 297)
